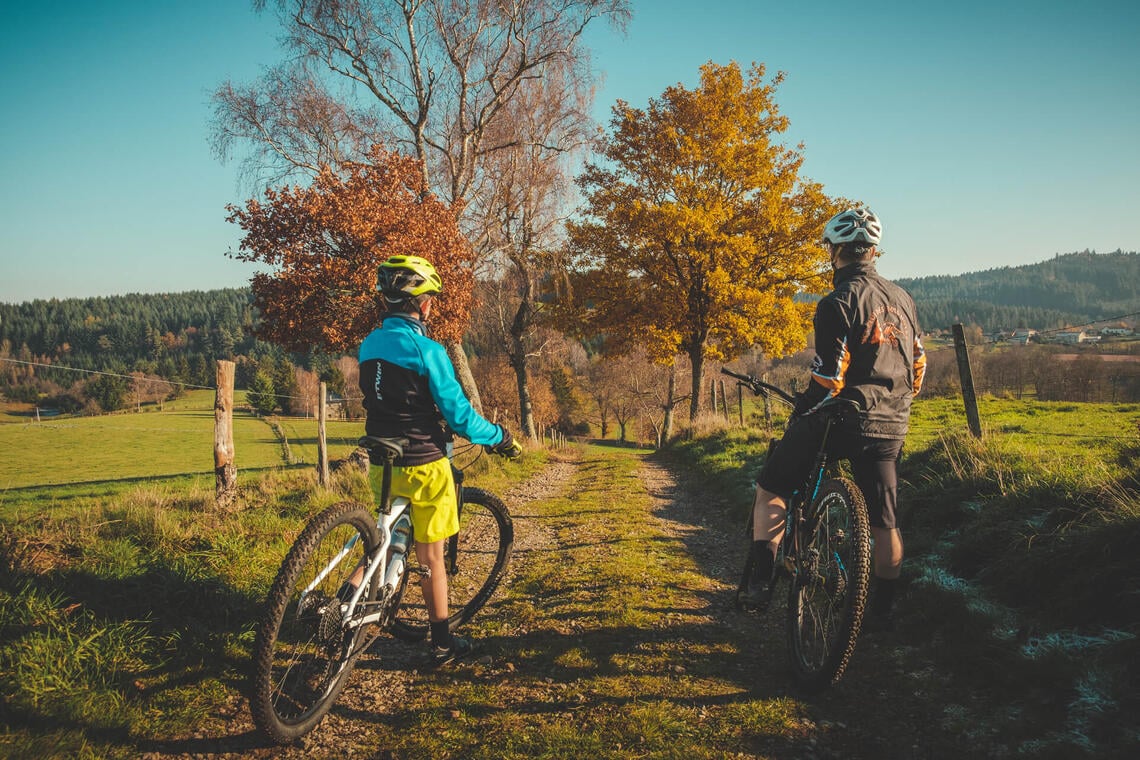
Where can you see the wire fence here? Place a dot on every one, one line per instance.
(125, 426)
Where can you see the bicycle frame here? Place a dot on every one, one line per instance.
(798, 523)
(389, 513)
(377, 563)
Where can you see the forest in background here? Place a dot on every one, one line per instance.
(153, 346)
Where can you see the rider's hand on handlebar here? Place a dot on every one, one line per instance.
(801, 406)
(508, 447)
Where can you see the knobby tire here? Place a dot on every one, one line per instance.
(302, 657)
(828, 592)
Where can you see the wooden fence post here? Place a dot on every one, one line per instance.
(322, 447)
(768, 405)
(740, 402)
(967, 378)
(225, 470)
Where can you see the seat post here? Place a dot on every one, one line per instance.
(386, 482)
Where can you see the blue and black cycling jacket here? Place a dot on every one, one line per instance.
(410, 391)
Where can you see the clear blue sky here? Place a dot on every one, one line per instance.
(984, 134)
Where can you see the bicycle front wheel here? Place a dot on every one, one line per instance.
(476, 558)
(829, 585)
(304, 649)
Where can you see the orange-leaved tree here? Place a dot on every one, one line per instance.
(323, 243)
(698, 235)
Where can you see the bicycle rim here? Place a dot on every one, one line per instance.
(304, 651)
(829, 588)
(482, 549)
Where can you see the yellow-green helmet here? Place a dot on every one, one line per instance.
(402, 277)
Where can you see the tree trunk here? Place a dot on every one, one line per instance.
(516, 352)
(463, 374)
(667, 424)
(696, 359)
(517, 357)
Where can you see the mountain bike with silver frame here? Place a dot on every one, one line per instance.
(315, 625)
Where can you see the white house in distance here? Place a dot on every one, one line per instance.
(1022, 335)
(1074, 336)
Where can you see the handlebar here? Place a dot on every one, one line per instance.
(759, 387)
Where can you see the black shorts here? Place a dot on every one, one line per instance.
(874, 464)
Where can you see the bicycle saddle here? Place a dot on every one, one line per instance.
(841, 407)
(393, 447)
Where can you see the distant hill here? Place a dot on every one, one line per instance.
(1069, 289)
(178, 334)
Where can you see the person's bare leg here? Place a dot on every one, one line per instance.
(434, 581)
(768, 512)
(888, 552)
(888, 563)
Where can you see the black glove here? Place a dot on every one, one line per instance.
(801, 406)
(508, 447)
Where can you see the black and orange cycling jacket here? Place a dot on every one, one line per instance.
(868, 349)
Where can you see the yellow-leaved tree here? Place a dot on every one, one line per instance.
(697, 233)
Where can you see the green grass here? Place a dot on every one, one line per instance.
(132, 617)
(127, 614)
(610, 652)
(93, 455)
(1021, 561)
(126, 605)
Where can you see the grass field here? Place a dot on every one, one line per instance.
(126, 596)
(90, 454)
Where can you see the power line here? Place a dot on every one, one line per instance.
(98, 372)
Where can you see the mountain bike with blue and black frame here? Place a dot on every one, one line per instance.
(825, 553)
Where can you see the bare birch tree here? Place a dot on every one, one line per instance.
(435, 78)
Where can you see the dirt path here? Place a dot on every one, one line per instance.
(877, 711)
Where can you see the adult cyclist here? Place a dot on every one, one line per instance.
(868, 349)
(410, 391)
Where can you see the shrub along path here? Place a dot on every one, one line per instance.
(613, 637)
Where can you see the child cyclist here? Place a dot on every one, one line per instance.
(411, 392)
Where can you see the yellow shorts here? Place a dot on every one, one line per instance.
(431, 490)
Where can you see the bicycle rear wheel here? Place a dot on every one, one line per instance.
(476, 557)
(829, 586)
(304, 651)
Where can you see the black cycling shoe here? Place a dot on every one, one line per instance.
(460, 648)
(758, 595)
(759, 581)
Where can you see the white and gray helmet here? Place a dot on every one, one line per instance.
(853, 225)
